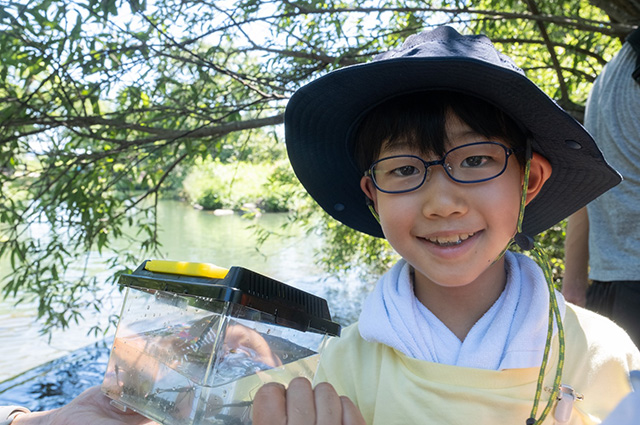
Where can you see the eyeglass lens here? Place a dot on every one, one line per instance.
(469, 163)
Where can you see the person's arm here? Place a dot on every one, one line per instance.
(576, 258)
(300, 404)
(90, 407)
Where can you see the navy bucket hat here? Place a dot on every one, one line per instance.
(322, 117)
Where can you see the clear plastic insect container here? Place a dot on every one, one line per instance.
(195, 342)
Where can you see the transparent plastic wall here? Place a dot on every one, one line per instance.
(187, 360)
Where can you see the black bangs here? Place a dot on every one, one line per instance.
(489, 121)
(417, 121)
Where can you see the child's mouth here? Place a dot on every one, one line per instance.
(451, 240)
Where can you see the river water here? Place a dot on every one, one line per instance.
(187, 235)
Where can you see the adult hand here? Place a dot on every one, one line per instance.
(90, 407)
(575, 292)
(576, 265)
(301, 405)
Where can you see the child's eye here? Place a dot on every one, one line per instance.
(404, 171)
(476, 161)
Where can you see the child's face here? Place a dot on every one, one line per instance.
(451, 233)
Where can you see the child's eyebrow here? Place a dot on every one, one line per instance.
(401, 142)
(464, 133)
(396, 144)
(398, 147)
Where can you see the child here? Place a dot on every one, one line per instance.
(448, 141)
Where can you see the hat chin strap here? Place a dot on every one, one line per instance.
(523, 241)
(527, 243)
(373, 211)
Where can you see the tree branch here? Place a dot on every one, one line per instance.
(590, 25)
(564, 93)
(160, 133)
(577, 49)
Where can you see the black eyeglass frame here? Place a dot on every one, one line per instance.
(427, 164)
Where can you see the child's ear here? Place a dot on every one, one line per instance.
(539, 172)
(369, 189)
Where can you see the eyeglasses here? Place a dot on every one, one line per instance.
(471, 163)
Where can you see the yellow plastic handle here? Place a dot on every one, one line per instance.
(186, 268)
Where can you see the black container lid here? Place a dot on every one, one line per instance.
(291, 307)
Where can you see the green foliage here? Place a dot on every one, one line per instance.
(211, 198)
(269, 187)
(104, 103)
(213, 184)
(282, 191)
(552, 241)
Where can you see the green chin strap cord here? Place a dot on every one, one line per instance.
(527, 243)
(372, 210)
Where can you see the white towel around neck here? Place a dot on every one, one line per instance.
(510, 335)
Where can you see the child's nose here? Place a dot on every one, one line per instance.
(442, 196)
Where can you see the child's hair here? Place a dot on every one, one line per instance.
(417, 120)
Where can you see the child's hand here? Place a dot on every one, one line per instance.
(301, 405)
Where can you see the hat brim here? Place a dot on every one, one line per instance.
(321, 119)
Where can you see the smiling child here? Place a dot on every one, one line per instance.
(448, 151)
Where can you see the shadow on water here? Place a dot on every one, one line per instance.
(55, 383)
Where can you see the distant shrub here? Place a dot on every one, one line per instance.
(272, 187)
(210, 199)
(213, 184)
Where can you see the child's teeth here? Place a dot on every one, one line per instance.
(451, 240)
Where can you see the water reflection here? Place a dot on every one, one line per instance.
(201, 236)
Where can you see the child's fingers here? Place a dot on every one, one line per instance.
(300, 404)
(301, 408)
(350, 413)
(328, 405)
(269, 405)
